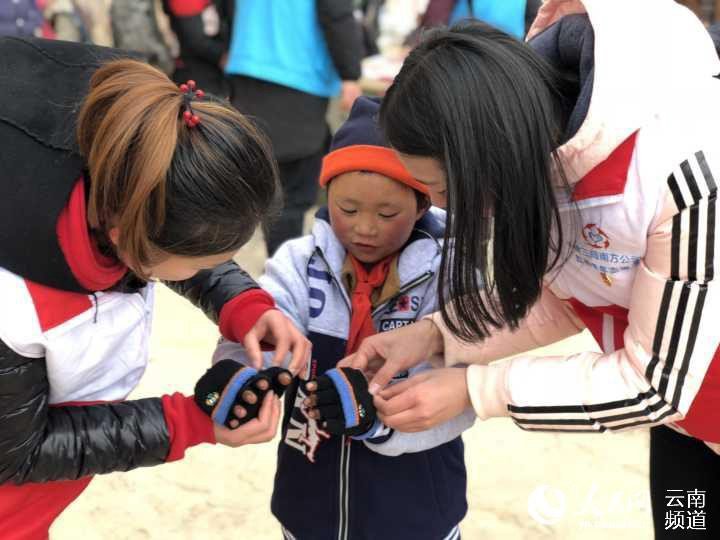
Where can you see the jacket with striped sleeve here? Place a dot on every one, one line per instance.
(644, 164)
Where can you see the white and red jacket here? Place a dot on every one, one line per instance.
(67, 362)
(640, 276)
(74, 324)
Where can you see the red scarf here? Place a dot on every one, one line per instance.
(92, 270)
(361, 323)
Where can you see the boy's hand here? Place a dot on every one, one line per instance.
(340, 401)
(231, 393)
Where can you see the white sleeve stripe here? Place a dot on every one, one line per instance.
(700, 200)
(675, 335)
(692, 338)
(597, 426)
(650, 412)
(678, 336)
(650, 421)
(658, 338)
(551, 427)
(699, 247)
(707, 174)
(689, 191)
(710, 228)
(648, 404)
(584, 409)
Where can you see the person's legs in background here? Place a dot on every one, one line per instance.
(300, 187)
(684, 486)
(296, 124)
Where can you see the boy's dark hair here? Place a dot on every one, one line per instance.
(167, 187)
(423, 202)
(491, 111)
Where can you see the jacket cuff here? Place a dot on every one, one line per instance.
(241, 313)
(378, 433)
(487, 387)
(437, 360)
(187, 425)
(454, 351)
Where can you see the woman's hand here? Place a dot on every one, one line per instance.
(424, 400)
(384, 355)
(259, 430)
(274, 328)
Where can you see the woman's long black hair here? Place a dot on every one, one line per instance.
(492, 112)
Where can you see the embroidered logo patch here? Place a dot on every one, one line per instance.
(391, 324)
(404, 304)
(595, 236)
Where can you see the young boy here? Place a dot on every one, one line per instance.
(371, 263)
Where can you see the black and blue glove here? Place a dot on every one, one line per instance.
(342, 402)
(228, 384)
(280, 379)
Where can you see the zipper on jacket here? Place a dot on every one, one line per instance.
(335, 279)
(404, 289)
(345, 442)
(343, 528)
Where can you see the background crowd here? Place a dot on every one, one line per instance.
(357, 49)
(210, 41)
(206, 40)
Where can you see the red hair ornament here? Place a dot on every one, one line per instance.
(189, 93)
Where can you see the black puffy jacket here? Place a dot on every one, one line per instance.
(44, 83)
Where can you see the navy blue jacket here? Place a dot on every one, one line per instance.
(394, 485)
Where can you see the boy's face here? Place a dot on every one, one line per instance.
(371, 214)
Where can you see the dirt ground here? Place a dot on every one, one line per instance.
(521, 485)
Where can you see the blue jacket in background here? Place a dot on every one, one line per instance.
(507, 15)
(281, 41)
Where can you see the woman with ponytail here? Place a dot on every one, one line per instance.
(112, 178)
